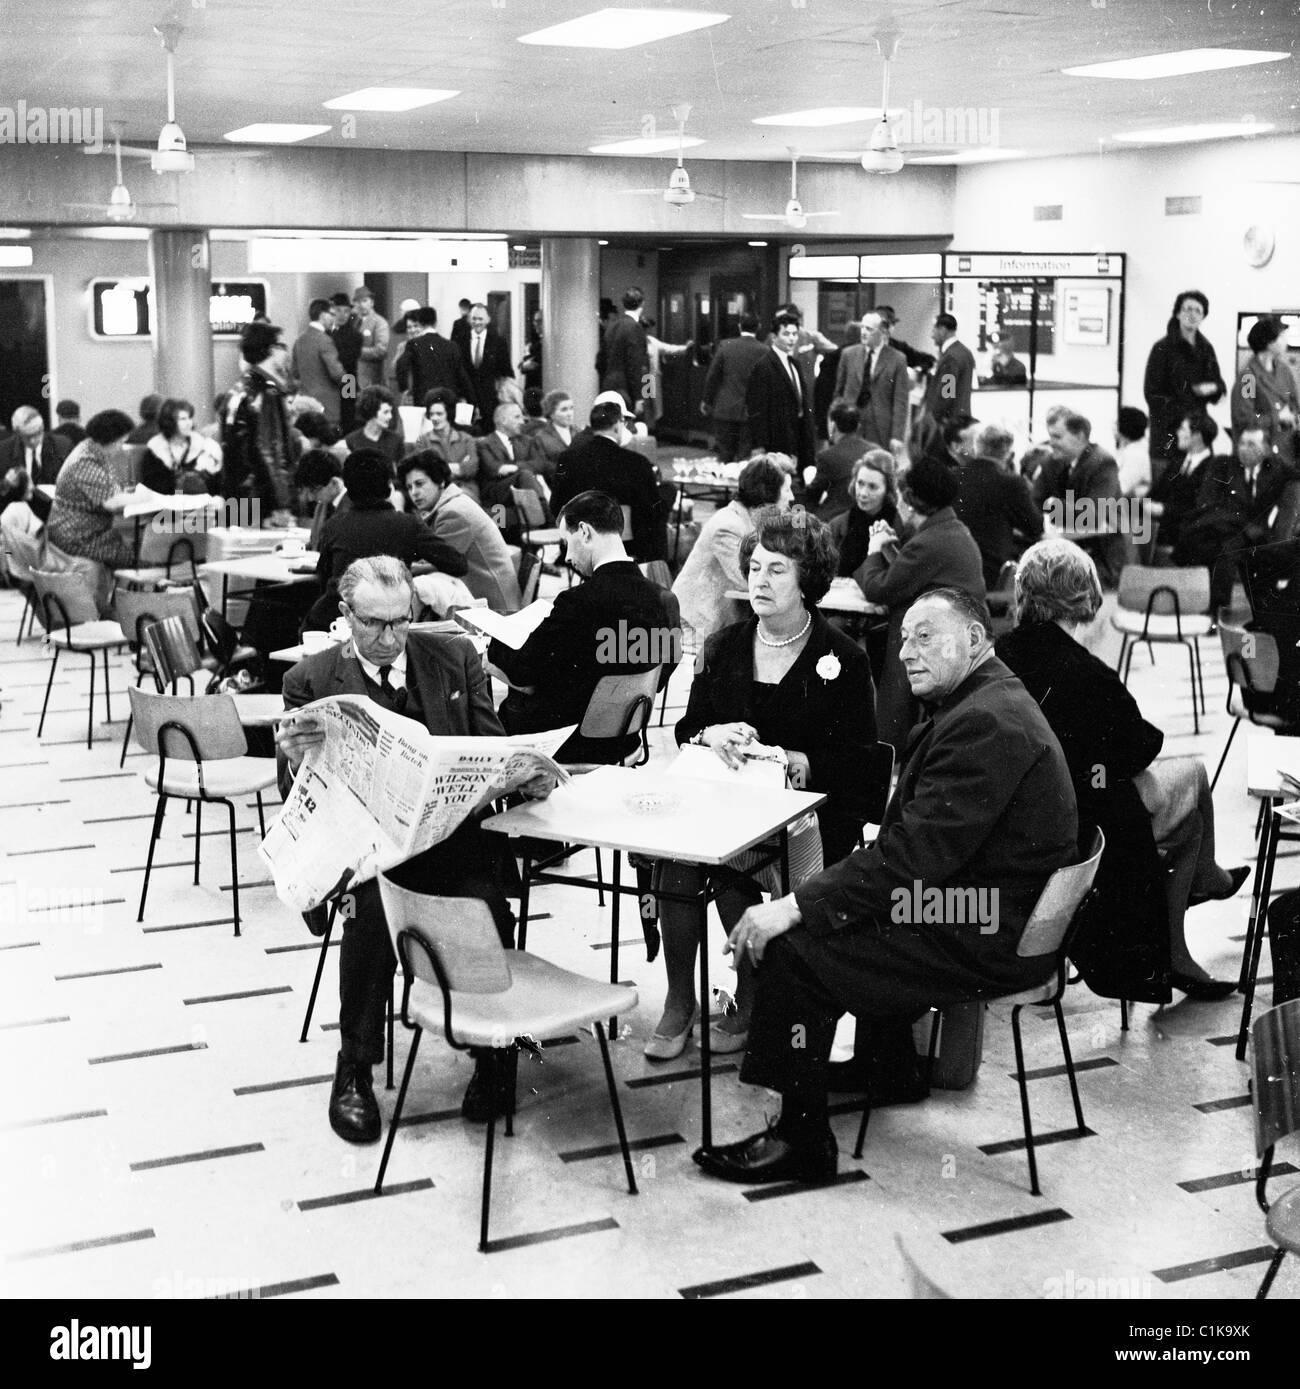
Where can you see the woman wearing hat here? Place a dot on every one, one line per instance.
(941, 553)
(1264, 395)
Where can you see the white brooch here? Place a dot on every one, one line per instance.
(828, 667)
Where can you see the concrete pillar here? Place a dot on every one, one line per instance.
(571, 319)
(181, 269)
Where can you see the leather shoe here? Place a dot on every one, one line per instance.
(767, 1157)
(1236, 876)
(482, 1100)
(881, 1090)
(354, 1111)
(317, 919)
(1203, 990)
(663, 1046)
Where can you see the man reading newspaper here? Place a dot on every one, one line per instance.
(436, 679)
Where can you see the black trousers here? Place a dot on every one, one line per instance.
(467, 864)
(1284, 946)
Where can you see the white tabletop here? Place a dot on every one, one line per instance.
(273, 569)
(149, 503)
(646, 811)
(259, 710)
(844, 597)
(1264, 756)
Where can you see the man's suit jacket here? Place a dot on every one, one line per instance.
(494, 490)
(597, 463)
(624, 359)
(884, 415)
(728, 375)
(994, 505)
(427, 361)
(1228, 513)
(948, 392)
(318, 369)
(984, 802)
(459, 330)
(54, 450)
(828, 492)
(1094, 477)
(779, 421)
(484, 377)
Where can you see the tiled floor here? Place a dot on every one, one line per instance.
(164, 1132)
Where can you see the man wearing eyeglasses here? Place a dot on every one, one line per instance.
(436, 678)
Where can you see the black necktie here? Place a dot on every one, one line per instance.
(794, 377)
(864, 395)
(391, 697)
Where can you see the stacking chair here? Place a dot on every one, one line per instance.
(25, 554)
(202, 757)
(530, 575)
(72, 623)
(136, 611)
(620, 706)
(175, 655)
(1275, 1089)
(1165, 605)
(1251, 660)
(536, 534)
(1002, 599)
(459, 980)
(227, 650)
(1046, 934)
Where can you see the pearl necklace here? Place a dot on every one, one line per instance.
(785, 641)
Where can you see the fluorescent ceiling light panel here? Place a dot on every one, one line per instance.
(662, 144)
(619, 28)
(1177, 64)
(274, 133)
(758, 243)
(388, 99)
(14, 233)
(15, 255)
(825, 115)
(1183, 134)
(986, 154)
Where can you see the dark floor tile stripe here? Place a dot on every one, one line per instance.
(187, 925)
(294, 1285)
(769, 1193)
(1242, 1258)
(623, 941)
(561, 1042)
(1093, 1064)
(32, 1022)
(182, 1158)
(77, 906)
(587, 1227)
(72, 742)
(56, 849)
(1017, 1145)
(103, 1242)
(1006, 1227)
(53, 1119)
(749, 1280)
(636, 1145)
(1214, 1106)
(434, 1116)
(348, 1198)
(224, 833)
(644, 1082)
(118, 819)
(269, 1086)
(532, 916)
(1238, 1178)
(245, 993)
(329, 1027)
(20, 945)
(27, 728)
(1230, 1041)
(99, 776)
(140, 867)
(14, 766)
(103, 973)
(307, 945)
(140, 1055)
(25, 805)
(245, 887)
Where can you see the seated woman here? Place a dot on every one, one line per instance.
(440, 435)
(556, 434)
(177, 459)
(713, 566)
(1142, 806)
(875, 498)
(86, 498)
(781, 677)
(377, 425)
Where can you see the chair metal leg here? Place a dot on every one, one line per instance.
(198, 837)
(159, 811)
(600, 881)
(389, 1084)
(1274, 1264)
(663, 706)
(1200, 671)
(862, 1128)
(234, 862)
(397, 1113)
(126, 739)
(617, 1108)
(1232, 733)
(1257, 926)
(1191, 666)
(512, 1088)
(90, 705)
(261, 824)
(1123, 1015)
(1069, 1063)
(487, 1157)
(1024, 1100)
(320, 968)
(108, 694)
(49, 685)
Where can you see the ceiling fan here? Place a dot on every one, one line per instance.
(679, 191)
(882, 155)
(795, 215)
(120, 207)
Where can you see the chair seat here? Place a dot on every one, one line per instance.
(232, 776)
(1160, 627)
(543, 1001)
(89, 636)
(1283, 1223)
(1237, 708)
(551, 536)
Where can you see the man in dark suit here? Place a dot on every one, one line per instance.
(40, 454)
(616, 622)
(507, 457)
(486, 358)
(778, 401)
(984, 810)
(873, 377)
(995, 503)
(316, 361)
(596, 461)
(460, 329)
(828, 492)
(916, 361)
(1091, 493)
(69, 426)
(348, 342)
(436, 679)
(624, 357)
(429, 360)
(948, 392)
(724, 389)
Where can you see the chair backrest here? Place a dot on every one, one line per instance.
(64, 599)
(1006, 578)
(459, 930)
(1250, 658)
(620, 704)
(130, 607)
(1046, 928)
(1147, 589)
(173, 651)
(530, 575)
(529, 506)
(627, 520)
(875, 790)
(222, 637)
(26, 553)
(1275, 1059)
(212, 719)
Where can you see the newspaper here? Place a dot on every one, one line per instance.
(513, 629)
(380, 789)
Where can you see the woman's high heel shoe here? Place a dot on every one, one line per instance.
(664, 1048)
